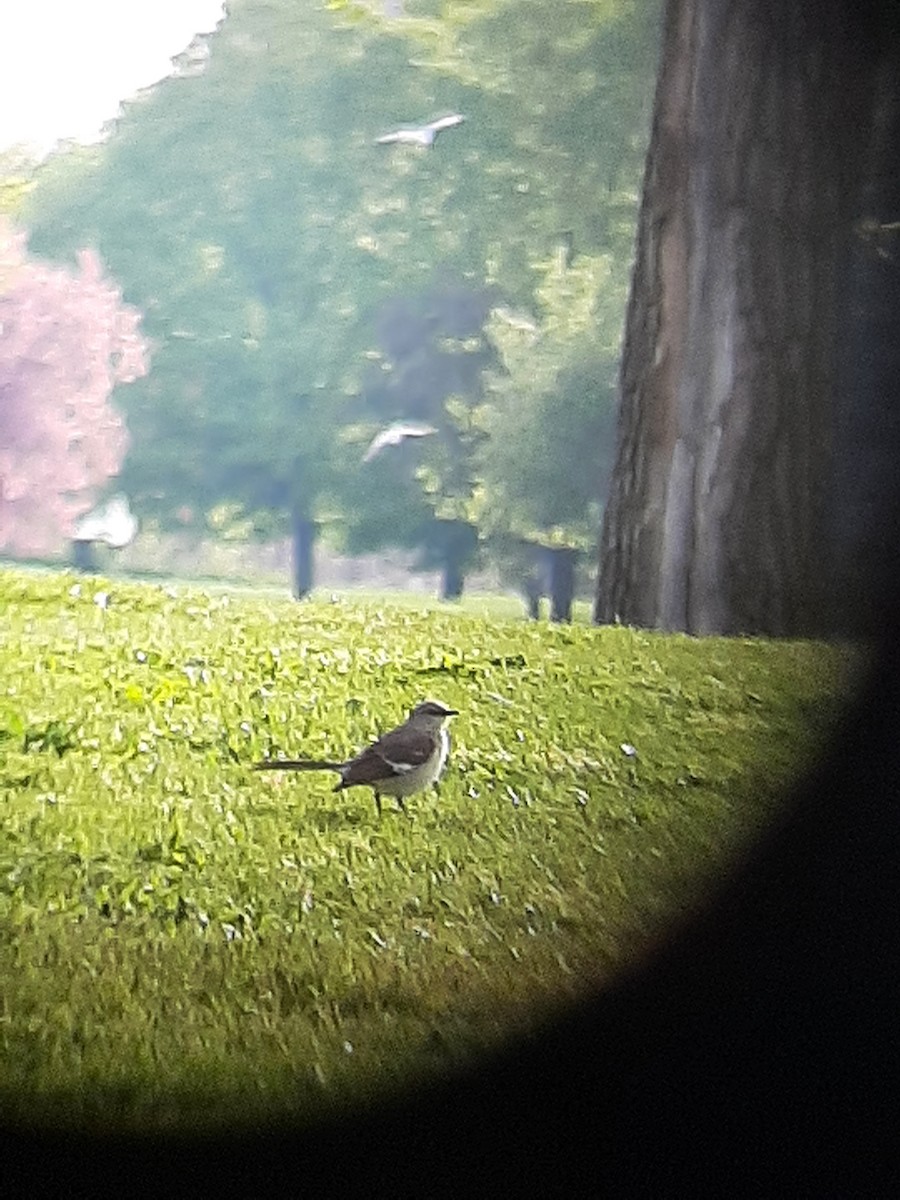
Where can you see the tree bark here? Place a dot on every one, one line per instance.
(532, 577)
(453, 578)
(457, 542)
(531, 593)
(717, 518)
(562, 582)
(303, 537)
(864, 526)
(83, 557)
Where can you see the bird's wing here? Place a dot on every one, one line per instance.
(377, 444)
(92, 525)
(407, 430)
(446, 122)
(370, 766)
(394, 755)
(121, 526)
(422, 135)
(112, 522)
(85, 531)
(405, 748)
(419, 137)
(393, 436)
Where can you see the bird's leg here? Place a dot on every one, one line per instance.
(400, 804)
(377, 802)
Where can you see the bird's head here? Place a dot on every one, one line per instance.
(432, 712)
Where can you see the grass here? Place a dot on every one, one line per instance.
(500, 605)
(185, 943)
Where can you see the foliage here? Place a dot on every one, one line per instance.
(265, 246)
(16, 178)
(184, 942)
(554, 396)
(66, 339)
(565, 89)
(529, 478)
(274, 236)
(429, 369)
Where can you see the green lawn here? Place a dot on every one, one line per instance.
(183, 941)
(500, 607)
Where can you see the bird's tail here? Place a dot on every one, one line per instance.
(296, 764)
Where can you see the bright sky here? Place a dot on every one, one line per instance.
(66, 64)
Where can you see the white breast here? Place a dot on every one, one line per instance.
(443, 751)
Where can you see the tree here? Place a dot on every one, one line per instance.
(66, 339)
(541, 494)
(250, 214)
(718, 518)
(16, 178)
(561, 91)
(863, 505)
(429, 369)
(276, 233)
(565, 172)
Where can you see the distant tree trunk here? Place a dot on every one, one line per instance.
(83, 558)
(717, 518)
(533, 579)
(453, 578)
(303, 537)
(562, 582)
(532, 592)
(457, 541)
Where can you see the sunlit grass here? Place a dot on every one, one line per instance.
(483, 604)
(273, 587)
(184, 941)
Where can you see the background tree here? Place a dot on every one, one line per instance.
(250, 214)
(16, 178)
(718, 519)
(571, 86)
(428, 370)
(559, 94)
(541, 495)
(66, 339)
(276, 231)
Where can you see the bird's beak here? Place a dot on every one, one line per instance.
(451, 712)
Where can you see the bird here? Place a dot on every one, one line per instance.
(404, 761)
(421, 135)
(393, 435)
(113, 523)
(518, 321)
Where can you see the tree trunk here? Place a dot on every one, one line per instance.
(532, 584)
(531, 592)
(83, 558)
(864, 527)
(453, 576)
(303, 536)
(457, 541)
(562, 582)
(717, 518)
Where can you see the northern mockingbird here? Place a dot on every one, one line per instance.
(406, 760)
(423, 135)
